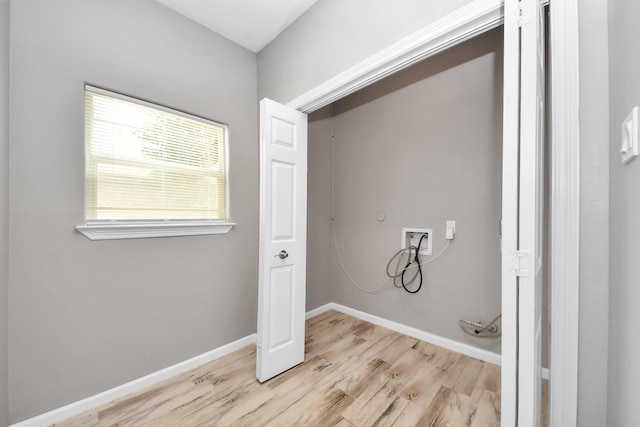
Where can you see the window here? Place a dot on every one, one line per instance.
(151, 171)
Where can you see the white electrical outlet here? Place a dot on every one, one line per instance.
(412, 236)
(450, 230)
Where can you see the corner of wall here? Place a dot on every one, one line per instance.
(594, 213)
(4, 214)
(623, 373)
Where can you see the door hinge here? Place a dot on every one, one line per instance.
(520, 14)
(521, 263)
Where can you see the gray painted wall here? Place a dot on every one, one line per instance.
(624, 343)
(424, 147)
(594, 213)
(334, 35)
(319, 243)
(4, 212)
(87, 316)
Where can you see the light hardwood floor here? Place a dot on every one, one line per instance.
(355, 374)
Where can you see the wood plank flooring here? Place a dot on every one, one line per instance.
(355, 374)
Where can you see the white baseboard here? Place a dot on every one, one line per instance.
(80, 406)
(466, 349)
(320, 310)
(447, 343)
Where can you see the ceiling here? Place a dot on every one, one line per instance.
(249, 23)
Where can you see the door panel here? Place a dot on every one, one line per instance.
(281, 297)
(510, 172)
(531, 212)
(282, 254)
(522, 212)
(283, 201)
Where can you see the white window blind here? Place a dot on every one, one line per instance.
(146, 162)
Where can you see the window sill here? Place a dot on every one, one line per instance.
(112, 231)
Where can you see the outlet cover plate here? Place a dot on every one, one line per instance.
(411, 237)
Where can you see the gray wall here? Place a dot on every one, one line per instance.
(423, 146)
(594, 213)
(4, 212)
(87, 316)
(624, 342)
(319, 243)
(334, 35)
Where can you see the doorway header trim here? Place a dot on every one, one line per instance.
(463, 24)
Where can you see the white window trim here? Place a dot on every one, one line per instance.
(110, 230)
(126, 229)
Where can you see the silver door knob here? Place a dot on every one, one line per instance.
(283, 254)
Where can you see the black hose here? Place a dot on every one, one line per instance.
(415, 259)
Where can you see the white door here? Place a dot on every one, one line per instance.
(510, 171)
(531, 213)
(522, 212)
(283, 223)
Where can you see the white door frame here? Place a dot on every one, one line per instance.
(528, 27)
(463, 24)
(565, 212)
(509, 220)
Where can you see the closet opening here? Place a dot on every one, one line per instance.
(416, 149)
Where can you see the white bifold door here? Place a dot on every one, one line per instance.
(523, 191)
(283, 223)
